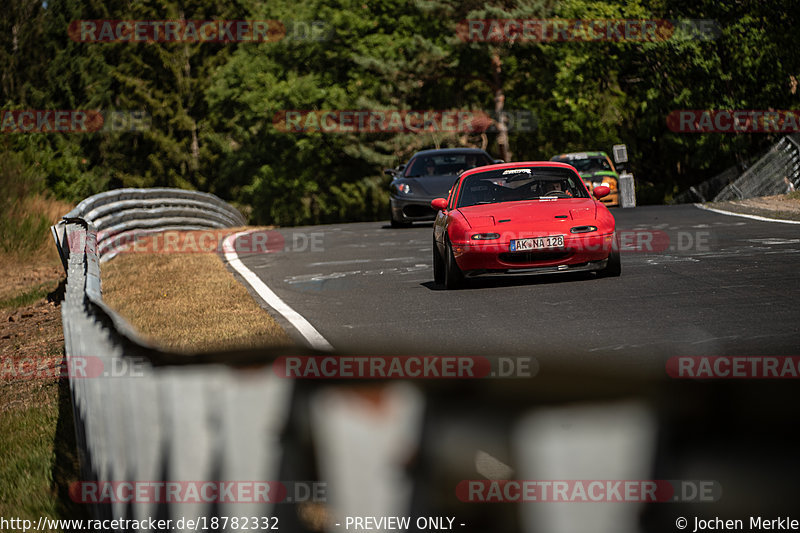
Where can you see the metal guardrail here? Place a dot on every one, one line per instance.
(766, 176)
(397, 448)
(769, 175)
(122, 214)
(158, 418)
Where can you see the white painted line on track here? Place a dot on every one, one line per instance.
(314, 337)
(754, 217)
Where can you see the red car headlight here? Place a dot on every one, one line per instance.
(485, 236)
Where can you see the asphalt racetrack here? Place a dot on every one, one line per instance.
(693, 282)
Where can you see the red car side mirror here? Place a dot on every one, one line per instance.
(440, 204)
(600, 191)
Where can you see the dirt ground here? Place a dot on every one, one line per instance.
(16, 278)
(785, 206)
(27, 323)
(31, 330)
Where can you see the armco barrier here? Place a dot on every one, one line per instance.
(388, 448)
(769, 175)
(121, 214)
(159, 419)
(764, 176)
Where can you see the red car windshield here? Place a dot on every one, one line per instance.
(519, 184)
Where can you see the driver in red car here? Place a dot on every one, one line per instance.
(557, 187)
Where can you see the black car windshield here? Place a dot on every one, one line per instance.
(590, 164)
(519, 184)
(445, 164)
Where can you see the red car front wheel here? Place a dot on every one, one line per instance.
(453, 277)
(438, 265)
(614, 266)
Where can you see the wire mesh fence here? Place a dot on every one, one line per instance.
(776, 172)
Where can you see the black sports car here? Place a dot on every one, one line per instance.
(429, 174)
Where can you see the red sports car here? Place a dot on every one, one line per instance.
(522, 218)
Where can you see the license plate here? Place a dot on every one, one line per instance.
(537, 243)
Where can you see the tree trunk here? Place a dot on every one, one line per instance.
(499, 106)
(194, 161)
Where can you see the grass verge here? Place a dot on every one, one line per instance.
(38, 455)
(187, 302)
(183, 301)
(27, 297)
(783, 206)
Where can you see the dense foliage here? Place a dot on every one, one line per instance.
(212, 105)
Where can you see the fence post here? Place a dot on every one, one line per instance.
(627, 190)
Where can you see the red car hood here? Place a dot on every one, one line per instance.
(513, 214)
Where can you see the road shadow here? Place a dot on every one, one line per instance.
(66, 467)
(502, 281)
(57, 296)
(414, 225)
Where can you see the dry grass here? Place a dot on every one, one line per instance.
(38, 457)
(27, 333)
(187, 302)
(183, 301)
(51, 208)
(37, 444)
(38, 263)
(785, 206)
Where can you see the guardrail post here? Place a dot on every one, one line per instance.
(627, 191)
